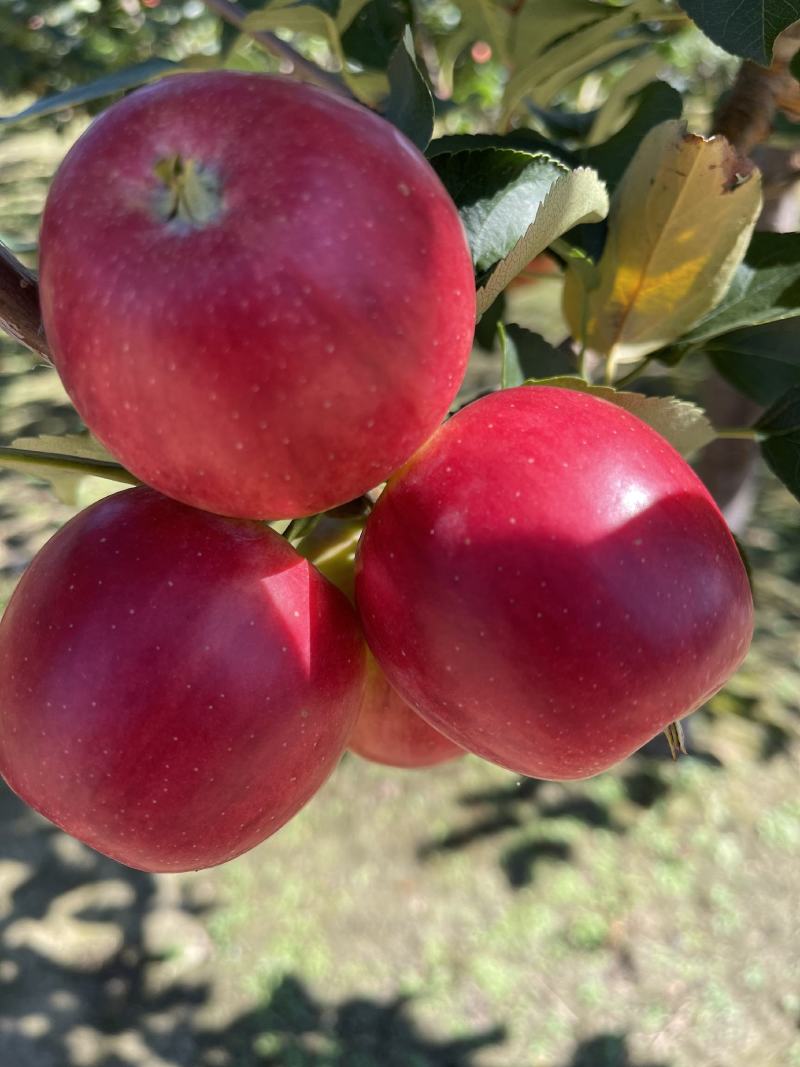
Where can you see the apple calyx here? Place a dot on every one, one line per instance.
(675, 740)
(189, 193)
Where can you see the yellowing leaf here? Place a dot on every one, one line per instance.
(680, 222)
(75, 445)
(77, 466)
(573, 198)
(684, 425)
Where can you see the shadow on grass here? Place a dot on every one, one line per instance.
(607, 1050)
(536, 810)
(102, 964)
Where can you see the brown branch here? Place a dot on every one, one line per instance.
(308, 71)
(19, 304)
(746, 114)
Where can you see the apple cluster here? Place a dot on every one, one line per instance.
(261, 300)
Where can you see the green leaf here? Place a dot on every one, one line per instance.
(117, 82)
(784, 415)
(64, 461)
(761, 361)
(782, 456)
(374, 33)
(657, 103)
(496, 190)
(575, 197)
(684, 425)
(745, 28)
(779, 428)
(556, 43)
(527, 356)
(521, 140)
(299, 18)
(487, 326)
(620, 103)
(765, 288)
(409, 106)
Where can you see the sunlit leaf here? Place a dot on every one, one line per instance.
(680, 223)
(684, 425)
(576, 197)
(566, 40)
(65, 462)
(496, 191)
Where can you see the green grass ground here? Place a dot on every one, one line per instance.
(459, 917)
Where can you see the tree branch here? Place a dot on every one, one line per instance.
(19, 304)
(236, 15)
(745, 116)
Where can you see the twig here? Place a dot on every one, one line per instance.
(19, 304)
(746, 114)
(236, 16)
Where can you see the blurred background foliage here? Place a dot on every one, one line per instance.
(50, 46)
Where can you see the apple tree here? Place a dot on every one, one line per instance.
(262, 271)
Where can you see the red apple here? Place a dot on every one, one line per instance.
(175, 685)
(550, 584)
(258, 295)
(387, 729)
(541, 266)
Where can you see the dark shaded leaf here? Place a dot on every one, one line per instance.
(762, 361)
(782, 456)
(779, 428)
(562, 123)
(784, 415)
(486, 327)
(409, 105)
(374, 33)
(745, 28)
(527, 356)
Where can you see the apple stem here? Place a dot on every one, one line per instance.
(632, 375)
(675, 740)
(299, 528)
(19, 304)
(738, 433)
